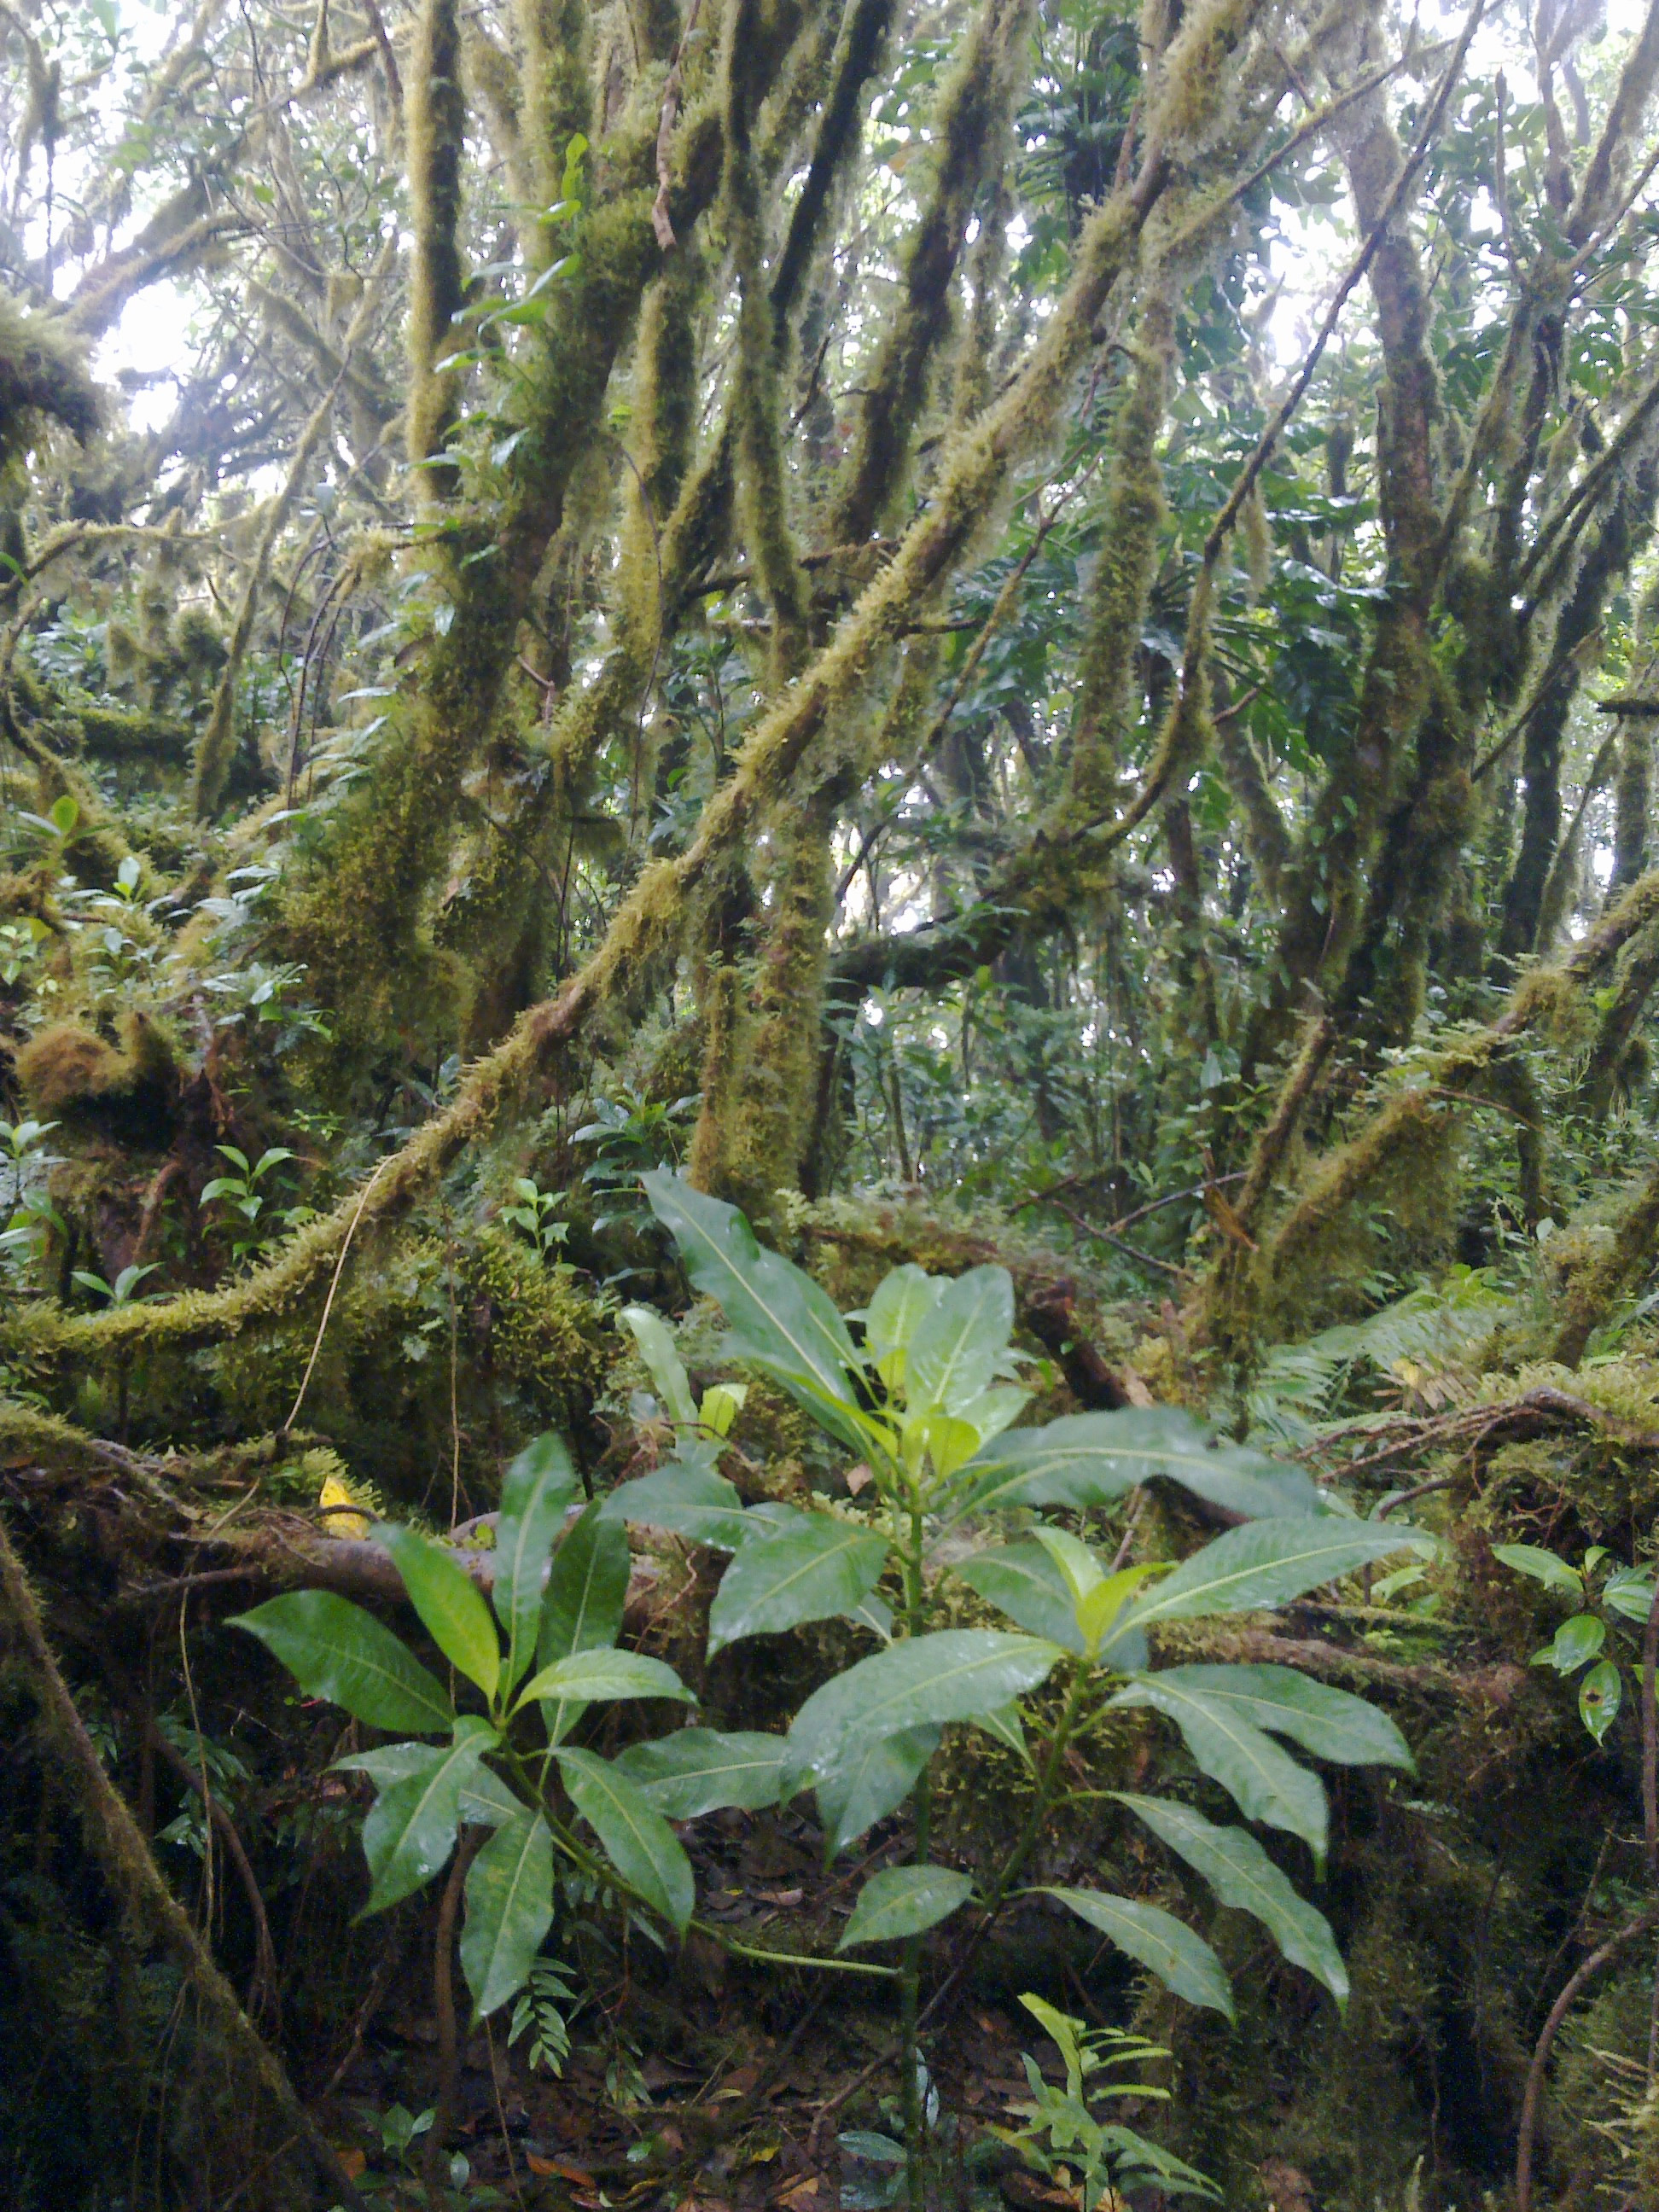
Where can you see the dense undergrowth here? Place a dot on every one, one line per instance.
(1014, 642)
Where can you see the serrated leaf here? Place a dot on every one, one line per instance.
(1332, 1724)
(1265, 1782)
(448, 1601)
(1089, 1459)
(1266, 1564)
(959, 1342)
(336, 1650)
(636, 1839)
(538, 1487)
(697, 1771)
(904, 1901)
(877, 1776)
(811, 1568)
(1241, 1875)
(924, 1681)
(509, 1909)
(411, 1830)
(1183, 1962)
(591, 1677)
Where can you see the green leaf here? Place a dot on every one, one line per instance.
(412, 1827)
(903, 1301)
(810, 1569)
(587, 1592)
(697, 1771)
(959, 1343)
(878, 1774)
(650, 1332)
(1089, 1459)
(1332, 1724)
(904, 1901)
(1183, 1962)
(486, 1800)
(1627, 1594)
(390, 1762)
(1599, 1695)
(509, 1909)
(1265, 1782)
(588, 1677)
(775, 1311)
(1023, 1582)
(448, 1601)
(687, 1500)
(336, 1650)
(1241, 1875)
(1576, 1642)
(1543, 1567)
(538, 1485)
(636, 1839)
(925, 1680)
(1266, 1564)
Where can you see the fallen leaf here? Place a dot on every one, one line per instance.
(352, 2163)
(857, 1478)
(780, 1896)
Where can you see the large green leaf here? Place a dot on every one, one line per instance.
(1028, 1583)
(538, 1485)
(925, 1680)
(587, 1592)
(775, 1311)
(1183, 1962)
(698, 1770)
(1332, 1724)
(1265, 1782)
(810, 1568)
(1267, 1563)
(960, 1341)
(509, 1909)
(877, 1776)
(636, 1839)
(591, 1677)
(336, 1650)
(412, 1827)
(487, 1801)
(903, 1299)
(1544, 1567)
(585, 1598)
(448, 1601)
(1023, 1582)
(687, 1500)
(1242, 1875)
(904, 1901)
(390, 1762)
(1089, 1459)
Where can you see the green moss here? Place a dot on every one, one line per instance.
(42, 380)
(434, 116)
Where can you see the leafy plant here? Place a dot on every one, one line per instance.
(123, 1290)
(532, 1215)
(1611, 1602)
(925, 1403)
(240, 1192)
(1066, 2140)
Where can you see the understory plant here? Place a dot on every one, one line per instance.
(926, 1398)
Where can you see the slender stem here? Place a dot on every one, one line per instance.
(910, 1986)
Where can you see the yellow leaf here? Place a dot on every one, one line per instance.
(349, 1523)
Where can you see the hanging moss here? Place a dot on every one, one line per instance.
(1606, 1271)
(41, 380)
